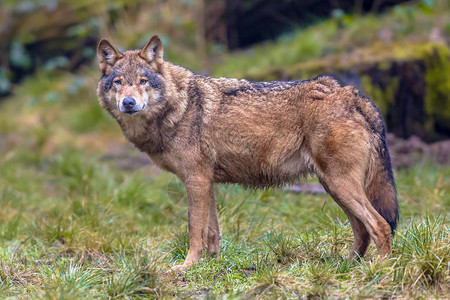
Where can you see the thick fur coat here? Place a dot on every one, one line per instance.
(258, 134)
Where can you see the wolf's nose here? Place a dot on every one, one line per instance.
(129, 103)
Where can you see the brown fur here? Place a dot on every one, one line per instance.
(258, 134)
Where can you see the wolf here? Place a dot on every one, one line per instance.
(258, 134)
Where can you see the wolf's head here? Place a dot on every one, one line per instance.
(130, 81)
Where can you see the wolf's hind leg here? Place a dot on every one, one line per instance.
(365, 220)
(213, 230)
(361, 235)
(341, 153)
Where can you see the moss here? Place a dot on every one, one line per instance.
(402, 33)
(383, 97)
(301, 46)
(437, 78)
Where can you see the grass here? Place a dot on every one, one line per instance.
(74, 225)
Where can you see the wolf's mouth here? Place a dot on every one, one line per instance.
(132, 112)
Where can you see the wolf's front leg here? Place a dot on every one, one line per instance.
(213, 229)
(199, 190)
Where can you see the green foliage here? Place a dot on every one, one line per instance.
(425, 243)
(383, 97)
(281, 246)
(90, 117)
(438, 83)
(305, 45)
(346, 41)
(137, 276)
(178, 246)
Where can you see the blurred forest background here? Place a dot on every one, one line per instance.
(82, 219)
(396, 52)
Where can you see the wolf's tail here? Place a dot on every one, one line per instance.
(380, 184)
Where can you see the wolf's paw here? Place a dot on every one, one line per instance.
(179, 268)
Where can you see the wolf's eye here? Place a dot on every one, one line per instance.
(118, 82)
(143, 81)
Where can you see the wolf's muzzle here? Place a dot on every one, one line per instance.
(129, 106)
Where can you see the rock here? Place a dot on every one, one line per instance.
(308, 188)
(412, 151)
(440, 152)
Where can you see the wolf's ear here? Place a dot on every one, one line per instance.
(153, 50)
(107, 55)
